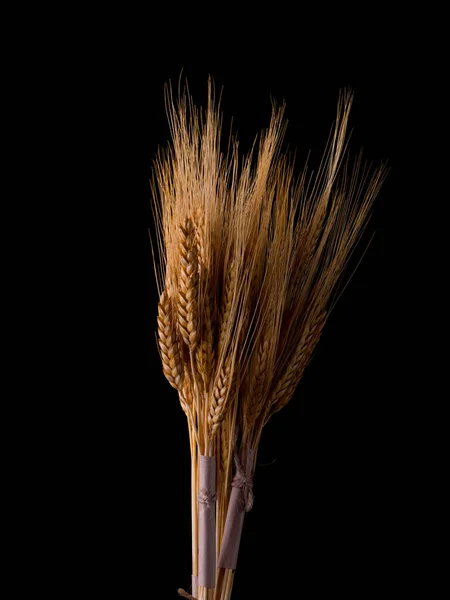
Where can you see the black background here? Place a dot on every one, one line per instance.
(340, 470)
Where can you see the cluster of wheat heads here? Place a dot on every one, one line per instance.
(248, 259)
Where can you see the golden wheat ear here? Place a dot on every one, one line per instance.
(285, 387)
(188, 285)
(170, 351)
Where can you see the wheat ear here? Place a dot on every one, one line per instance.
(227, 303)
(285, 387)
(200, 240)
(205, 350)
(168, 344)
(219, 398)
(254, 401)
(188, 285)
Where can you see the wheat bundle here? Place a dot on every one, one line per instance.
(248, 260)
